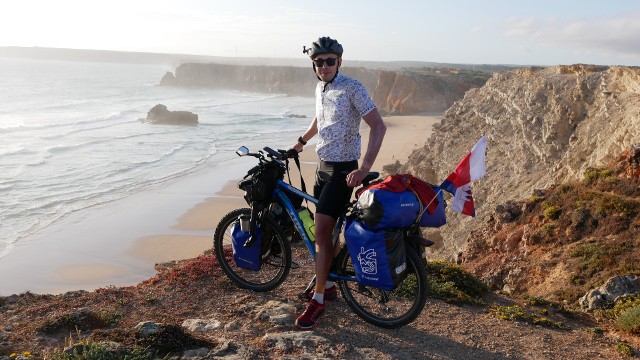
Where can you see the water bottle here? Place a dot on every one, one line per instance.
(307, 223)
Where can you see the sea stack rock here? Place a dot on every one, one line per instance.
(159, 114)
(168, 79)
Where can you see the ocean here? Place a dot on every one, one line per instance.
(72, 138)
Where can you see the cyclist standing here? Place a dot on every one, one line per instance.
(341, 103)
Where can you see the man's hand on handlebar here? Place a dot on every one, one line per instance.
(355, 177)
(291, 154)
(298, 147)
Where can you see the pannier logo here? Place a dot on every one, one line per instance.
(368, 261)
(407, 205)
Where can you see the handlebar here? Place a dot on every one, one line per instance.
(278, 154)
(283, 155)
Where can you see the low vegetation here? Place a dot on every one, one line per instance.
(517, 313)
(584, 232)
(624, 348)
(98, 351)
(624, 313)
(597, 221)
(453, 284)
(629, 321)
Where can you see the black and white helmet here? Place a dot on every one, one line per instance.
(324, 45)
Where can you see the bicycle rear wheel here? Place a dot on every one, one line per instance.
(276, 254)
(387, 309)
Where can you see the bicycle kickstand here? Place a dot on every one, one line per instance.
(310, 286)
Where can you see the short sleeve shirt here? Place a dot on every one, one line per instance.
(340, 105)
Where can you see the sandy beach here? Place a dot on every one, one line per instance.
(120, 245)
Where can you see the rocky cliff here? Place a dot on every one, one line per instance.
(544, 126)
(404, 92)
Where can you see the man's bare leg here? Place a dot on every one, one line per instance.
(324, 249)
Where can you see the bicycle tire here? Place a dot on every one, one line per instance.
(386, 309)
(276, 262)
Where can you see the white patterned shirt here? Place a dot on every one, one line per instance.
(340, 105)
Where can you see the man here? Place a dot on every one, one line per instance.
(341, 103)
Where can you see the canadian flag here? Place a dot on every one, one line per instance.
(471, 168)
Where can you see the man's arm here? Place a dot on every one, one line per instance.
(312, 130)
(376, 135)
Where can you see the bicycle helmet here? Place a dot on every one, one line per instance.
(324, 45)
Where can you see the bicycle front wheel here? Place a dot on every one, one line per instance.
(387, 309)
(276, 254)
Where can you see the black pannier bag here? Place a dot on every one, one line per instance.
(397, 255)
(260, 186)
(264, 182)
(416, 240)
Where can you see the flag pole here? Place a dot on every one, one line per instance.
(435, 197)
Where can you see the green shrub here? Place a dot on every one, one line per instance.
(534, 199)
(596, 257)
(586, 250)
(407, 288)
(453, 284)
(536, 301)
(591, 175)
(516, 313)
(552, 212)
(624, 348)
(547, 230)
(78, 320)
(626, 302)
(96, 351)
(170, 339)
(629, 320)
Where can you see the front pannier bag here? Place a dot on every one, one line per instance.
(247, 258)
(378, 257)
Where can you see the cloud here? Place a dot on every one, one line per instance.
(517, 27)
(616, 35)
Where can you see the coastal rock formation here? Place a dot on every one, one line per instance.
(394, 92)
(159, 114)
(168, 79)
(610, 291)
(544, 126)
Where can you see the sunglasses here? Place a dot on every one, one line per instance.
(329, 61)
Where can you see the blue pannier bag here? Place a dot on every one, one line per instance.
(378, 257)
(248, 258)
(384, 209)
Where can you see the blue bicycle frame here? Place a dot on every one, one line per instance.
(280, 195)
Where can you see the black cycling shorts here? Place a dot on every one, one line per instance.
(331, 187)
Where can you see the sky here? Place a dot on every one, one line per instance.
(517, 32)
